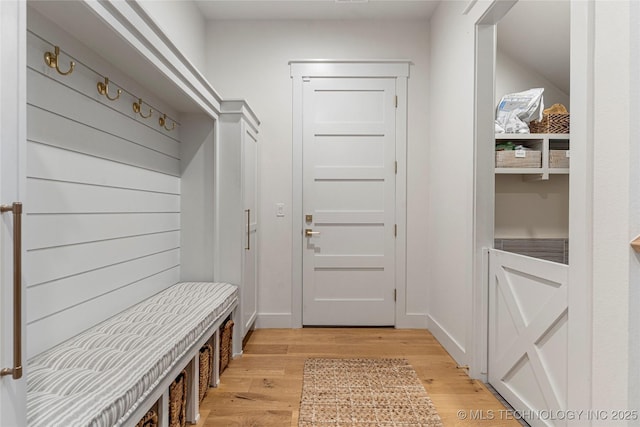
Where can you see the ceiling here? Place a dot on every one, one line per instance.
(534, 33)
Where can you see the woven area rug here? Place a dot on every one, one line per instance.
(364, 393)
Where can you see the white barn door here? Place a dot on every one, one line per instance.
(349, 201)
(528, 333)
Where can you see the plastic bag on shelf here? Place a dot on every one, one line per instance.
(516, 110)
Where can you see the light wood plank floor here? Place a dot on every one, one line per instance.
(263, 387)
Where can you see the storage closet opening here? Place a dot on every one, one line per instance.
(532, 169)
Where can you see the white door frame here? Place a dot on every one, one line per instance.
(399, 70)
(484, 180)
(580, 195)
(13, 129)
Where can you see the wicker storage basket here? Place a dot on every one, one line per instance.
(206, 362)
(178, 401)
(508, 159)
(559, 158)
(150, 419)
(226, 336)
(551, 123)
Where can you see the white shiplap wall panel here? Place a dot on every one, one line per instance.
(70, 197)
(49, 128)
(56, 296)
(46, 231)
(52, 163)
(48, 94)
(67, 323)
(66, 261)
(102, 226)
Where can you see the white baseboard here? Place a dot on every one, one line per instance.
(412, 321)
(273, 320)
(284, 320)
(449, 343)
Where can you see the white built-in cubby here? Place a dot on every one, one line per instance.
(553, 149)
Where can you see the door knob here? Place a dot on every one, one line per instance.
(309, 232)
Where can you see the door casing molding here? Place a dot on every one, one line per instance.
(304, 69)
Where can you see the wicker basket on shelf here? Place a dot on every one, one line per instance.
(150, 419)
(551, 123)
(226, 338)
(178, 401)
(206, 362)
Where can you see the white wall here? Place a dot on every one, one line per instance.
(197, 209)
(616, 203)
(450, 166)
(511, 76)
(250, 60)
(183, 23)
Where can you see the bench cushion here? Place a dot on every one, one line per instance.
(100, 376)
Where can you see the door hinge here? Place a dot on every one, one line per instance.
(396, 101)
(395, 230)
(395, 295)
(396, 167)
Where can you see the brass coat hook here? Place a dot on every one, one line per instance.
(137, 106)
(51, 59)
(103, 89)
(163, 123)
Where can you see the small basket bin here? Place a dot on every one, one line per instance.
(559, 158)
(518, 159)
(205, 363)
(551, 123)
(226, 338)
(178, 401)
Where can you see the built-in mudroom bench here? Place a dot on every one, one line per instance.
(115, 373)
(123, 301)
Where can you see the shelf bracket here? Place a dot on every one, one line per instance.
(543, 176)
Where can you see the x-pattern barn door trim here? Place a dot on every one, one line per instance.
(536, 316)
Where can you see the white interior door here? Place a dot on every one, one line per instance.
(249, 265)
(528, 333)
(349, 201)
(12, 143)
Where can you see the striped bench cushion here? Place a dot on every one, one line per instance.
(99, 377)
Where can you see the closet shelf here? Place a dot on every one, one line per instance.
(533, 136)
(542, 142)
